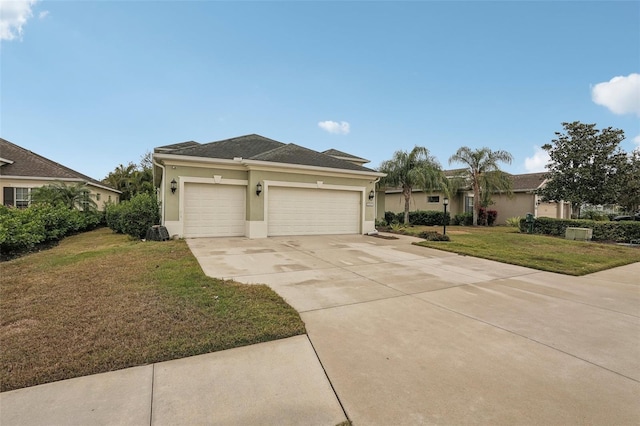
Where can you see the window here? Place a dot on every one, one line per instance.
(16, 197)
(468, 204)
(433, 199)
(98, 196)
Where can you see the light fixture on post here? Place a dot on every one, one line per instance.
(371, 195)
(174, 186)
(258, 189)
(445, 203)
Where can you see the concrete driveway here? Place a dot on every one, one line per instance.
(409, 335)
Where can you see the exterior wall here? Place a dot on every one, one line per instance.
(394, 202)
(518, 205)
(99, 195)
(256, 225)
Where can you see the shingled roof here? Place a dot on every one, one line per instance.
(340, 154)
(527, 182)
(25, 163)
(259, 148)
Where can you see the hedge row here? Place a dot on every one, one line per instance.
(134, 217)
(418, 217)
(620, 232)
(22, 229)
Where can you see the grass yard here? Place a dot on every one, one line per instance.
(100, 302)
(507, 245)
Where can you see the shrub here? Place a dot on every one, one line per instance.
(391, 217)
(22, 229)
(433, 236)
(514, 221)
(135, 216)
(619, 232)
(594, 215)
(427, 217)
(465, 219)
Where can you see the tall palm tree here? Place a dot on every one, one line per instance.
(483, 173)
(409, 170)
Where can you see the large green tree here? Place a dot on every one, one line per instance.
(629, 198)
(483, 174)
(416, 169)
(133, 178)
(586, 165)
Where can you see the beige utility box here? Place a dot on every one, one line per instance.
(582, 234)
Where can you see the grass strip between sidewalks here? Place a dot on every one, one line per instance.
(507, 245)
(100, 302)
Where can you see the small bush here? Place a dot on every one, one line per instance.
(391, 217)
(433, 236)
(135, 216)
(514, 221)
(465, 219)
(594, 215)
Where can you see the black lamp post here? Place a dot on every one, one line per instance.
(445, 202)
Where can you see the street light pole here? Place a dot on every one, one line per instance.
(445, 202)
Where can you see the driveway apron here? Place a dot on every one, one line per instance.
(409, 335)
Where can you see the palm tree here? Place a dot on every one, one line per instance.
(409, 170)
(72, 196)
(483, 173)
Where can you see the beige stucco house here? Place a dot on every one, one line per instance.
(22, 170)
(257, 187)
(523, 200)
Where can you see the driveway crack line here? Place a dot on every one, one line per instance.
(528, 338)
(344, 411)
(153, 382)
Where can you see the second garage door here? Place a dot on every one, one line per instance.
(214, 210)
(302, 211)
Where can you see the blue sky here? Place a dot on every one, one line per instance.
(93, 84)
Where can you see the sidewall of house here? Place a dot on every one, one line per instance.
(99, 195)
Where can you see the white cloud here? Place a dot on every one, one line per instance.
(620, 94)
(14, 14)
(636, 140)
(341, 128)
(43, 14)
(538, 162)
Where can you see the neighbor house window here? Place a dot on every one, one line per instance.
(16, 197)
(433, 199)
(98, 196)
(468, 204)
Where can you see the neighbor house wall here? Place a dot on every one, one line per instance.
(100, 195)
(519, 204)
(394, 202)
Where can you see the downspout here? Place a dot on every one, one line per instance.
(162, 183)
(375, 206)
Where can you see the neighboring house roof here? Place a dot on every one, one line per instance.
(528, 182)
(258, 148)
(23, 163)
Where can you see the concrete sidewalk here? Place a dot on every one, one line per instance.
(279, 382)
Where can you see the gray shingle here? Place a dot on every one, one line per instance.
(295, 154)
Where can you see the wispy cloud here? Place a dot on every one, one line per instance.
(538, 161)
(620, 94)
(636, 140)
(43, 14)
(14, 14)
(341, 128)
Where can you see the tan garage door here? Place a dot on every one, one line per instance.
(301, 211)
(214, 210)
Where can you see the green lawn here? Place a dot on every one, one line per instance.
(507, 245)
(100, 302)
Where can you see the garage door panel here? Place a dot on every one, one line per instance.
(302, 211)
(214, 210)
